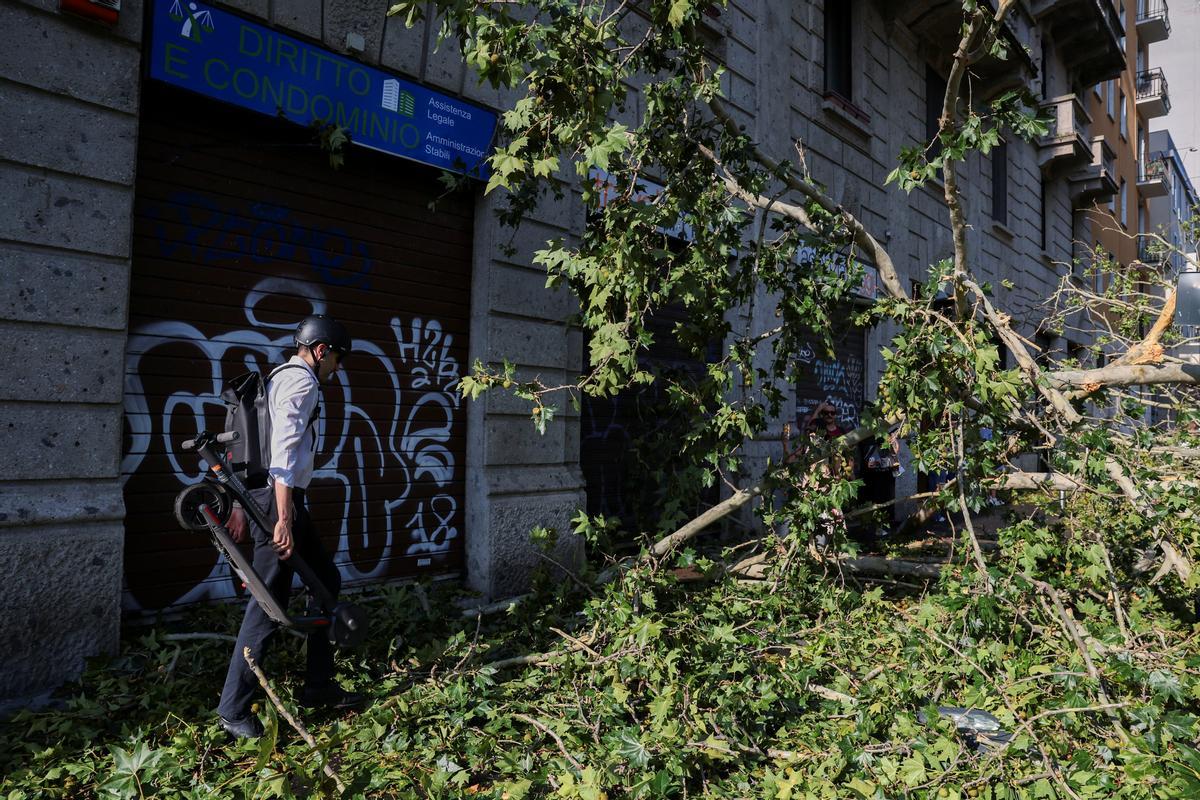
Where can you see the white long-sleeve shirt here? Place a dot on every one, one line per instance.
(293, 396)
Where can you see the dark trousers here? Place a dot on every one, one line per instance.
(257, 628)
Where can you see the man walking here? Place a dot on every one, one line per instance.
(293, 395)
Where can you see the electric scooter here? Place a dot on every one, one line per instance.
(207, 505)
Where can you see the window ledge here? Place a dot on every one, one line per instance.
(848, 113)
(1002, 230)
(936, 186)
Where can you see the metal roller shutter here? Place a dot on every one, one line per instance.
(839, 380)
(241, 229)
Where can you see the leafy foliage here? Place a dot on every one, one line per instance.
(655, 688)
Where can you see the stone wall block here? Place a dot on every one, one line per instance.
(255, 8)
(576, 357)
(62, 589)
(403, 47)
(361, 17)
(531, 344)
(531, 237)
(510, 522)
(46, 130)
(741, 93)
(41, 286)
(299, 16)
(740, 23)
(57, 440)
(63, 365)
(504, 403)
(61, 211)
(444, 65)
(523, 291)
(505, 481)
(740, 58)
(57, 502)
(75, 59)
(514, 440)
(571, 433)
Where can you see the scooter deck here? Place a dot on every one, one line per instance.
(258, 590)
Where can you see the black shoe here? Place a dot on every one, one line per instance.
(329, 696)
(244, 728)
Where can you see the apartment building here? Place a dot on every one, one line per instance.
(1122, 109)
(1170, 214)
(171, 218)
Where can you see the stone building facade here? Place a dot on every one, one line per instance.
(126, 195)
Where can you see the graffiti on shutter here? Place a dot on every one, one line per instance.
(232, 247)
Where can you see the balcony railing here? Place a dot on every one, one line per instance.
(1152, 97)
(1066, 143)
(1154, 177)
(1153, 21)
(1150, 251)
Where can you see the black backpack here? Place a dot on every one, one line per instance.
(247, 412)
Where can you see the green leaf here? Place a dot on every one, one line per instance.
(678, 13)
(912, 771)
(630, 748)
(266, 742)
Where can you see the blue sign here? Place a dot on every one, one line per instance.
(228, 58)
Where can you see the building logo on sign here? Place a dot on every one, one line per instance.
(193, 20)
(396, 100)
(231, 59)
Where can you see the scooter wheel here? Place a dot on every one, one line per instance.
(189, 501)
(349, 626)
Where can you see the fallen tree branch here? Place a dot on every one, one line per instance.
(1126, 375)
(1037, 481)
(724, 746)
(576, 644)
(727, 506)
(1173, 560)
(493, 608)
(1072, 629)
(520, 661)
(667, 544)
(283, 712)
(557, 739)
(831, 694)
(976, 551)
(1149, 348)
(753, 567)
(877, 565)
(1189, 453)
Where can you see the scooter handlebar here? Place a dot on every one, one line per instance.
(221, 438)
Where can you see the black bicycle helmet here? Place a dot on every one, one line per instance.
(319, 329)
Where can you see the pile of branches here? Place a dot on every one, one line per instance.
(649, 685)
